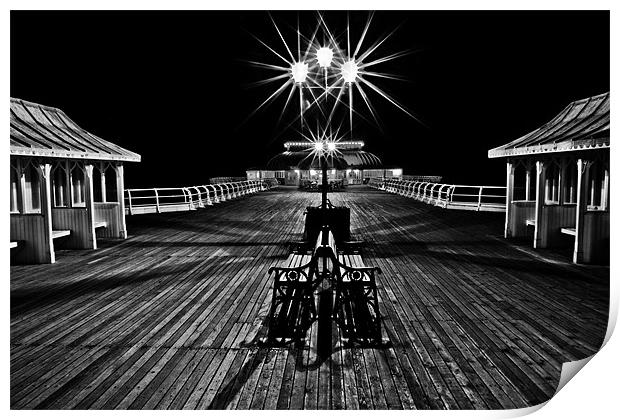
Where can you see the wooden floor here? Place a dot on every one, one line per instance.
(174, 316)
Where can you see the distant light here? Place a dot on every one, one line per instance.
(348, 71)
(299, 71)
(324, 56)
(331, 146)
(318, 146)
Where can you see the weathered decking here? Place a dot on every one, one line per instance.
(173, 317)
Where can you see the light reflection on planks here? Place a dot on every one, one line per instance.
(172, 317)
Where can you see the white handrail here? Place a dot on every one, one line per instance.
(460, 196)
(158, 200)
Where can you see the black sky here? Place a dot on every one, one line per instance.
(173, 86)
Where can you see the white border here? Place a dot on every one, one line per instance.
(592, 395)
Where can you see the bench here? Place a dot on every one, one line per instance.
(530, 222)
(14, 244)
(569, 231)
(293, 308)
(101, 225)
(356, 306)
(60, 233)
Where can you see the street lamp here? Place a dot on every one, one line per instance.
(323, 149)
(324, 56)
(349, 71)
(299, 72)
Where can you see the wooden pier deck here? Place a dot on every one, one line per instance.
(173, 317)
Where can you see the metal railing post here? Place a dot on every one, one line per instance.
(156, 200)
(185, 199)
(130, 202)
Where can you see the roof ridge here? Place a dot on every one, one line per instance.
(589, 98)
(25, 102)
(579, 119)
(73, 140)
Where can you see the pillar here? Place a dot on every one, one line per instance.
(46, 248)
(582, 205)
(528, 182)
(510, 184)
(120, 198)
(90, 206)
(540, 226)
(102, 168)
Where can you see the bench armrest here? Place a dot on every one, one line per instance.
(293, 273)
(362, 268)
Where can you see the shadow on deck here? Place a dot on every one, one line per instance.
(175, 316)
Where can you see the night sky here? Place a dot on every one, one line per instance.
(174, 86)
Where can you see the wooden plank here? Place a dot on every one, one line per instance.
(568, 231)
(175, 316)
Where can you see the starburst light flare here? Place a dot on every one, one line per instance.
(299, 72)
(324, 56)
(349, 71)
(326, 75)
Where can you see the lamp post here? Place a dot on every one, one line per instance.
(324, 149)
(299, 74)
(324, 57)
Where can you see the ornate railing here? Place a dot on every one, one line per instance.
(160, 200)
(224, 179)
(427, 178)
(453, 196)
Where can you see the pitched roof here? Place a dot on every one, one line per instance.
(583, 124)
(39, 130)
(296, 146)
(305, 160)
(299, 155)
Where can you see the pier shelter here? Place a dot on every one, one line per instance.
(66, 184)
(350, 164)
(557, 181)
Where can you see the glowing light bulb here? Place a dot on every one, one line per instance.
(348, 71)
(299, 71)
(318, 146)
(331, 146)
(324, 56)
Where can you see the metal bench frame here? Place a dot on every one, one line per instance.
(354, 286)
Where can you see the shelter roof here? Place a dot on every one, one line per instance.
(345, 159)
(583, 124)
(39, 130)
(306, 145)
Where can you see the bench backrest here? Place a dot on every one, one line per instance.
(325, 239)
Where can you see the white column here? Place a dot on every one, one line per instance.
(528, 182)
(102, 173)
(582, 194)
(120, 198)
(48, 255)
(539, 228)
(89, 199)
(510, 184)
(21, 184)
